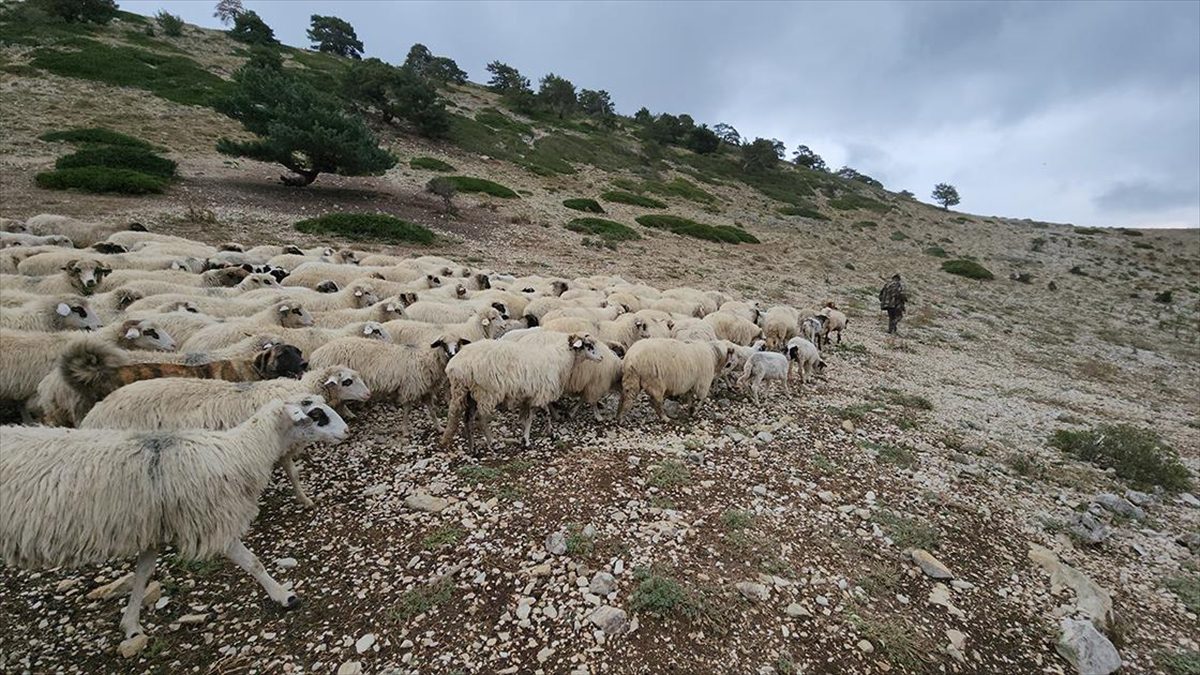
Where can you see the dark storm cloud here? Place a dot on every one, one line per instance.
(1083, 112)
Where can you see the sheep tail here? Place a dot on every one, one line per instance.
(460, 402)
(88, 367)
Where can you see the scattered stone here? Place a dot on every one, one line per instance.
(544, 654)
(760, 490)
(797, 610)
(556, 543)
(153, 594)
(931, 566)
(1087, 649)
(752, 591)
(764, 437)
(364, 643)
(192, 619)
(848, 426)
(865, 646)
(66, 585)
(826, 496)
(733, 434)
(376, 490)
(955, 648)
(618, 566)
(425, 502)
(609, 619)
(1091, 600)
(524, 608)
(286, 563)
(1119, 506)
(960, 585)
(1188, 499)
(350, 668)
(120, 586)
(603, 583)
(131, 647)
(1138, 498)
(1191, 540)
(940, 595)
(1088, 529)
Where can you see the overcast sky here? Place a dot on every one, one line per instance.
(1086, 112)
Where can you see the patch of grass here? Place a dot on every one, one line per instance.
(822, 463)
(622, 197)
(852, 201)
(367, 226)
(937, 252)
(605, 229)
(909, 400)
(478, 473)
(690, 228)
(119, 157)
(864, 224)
(1095, 369)
(881, 579)
(1025, 464)
(737, 519)
(173, 77)
(1187, 587)
(430, 164)
(1180, 663)
(446, 535)
(896, 455)
(1077, 271)
(583, 204)
(669, 474)
(197, 568)
(679, 187)
(854, 412)
(896, 641)
(423, 599)
(967, 268)
(94, 136)
(1143, 245)
(101, 180)
(804, 210)
(495, 119)
(578, 543)
(656, 594)
(907, 532)
(897, 235)
(1088, 230)
(472, 184)
(1138, 455)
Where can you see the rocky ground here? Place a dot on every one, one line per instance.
(904, 515)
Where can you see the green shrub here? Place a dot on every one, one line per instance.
(852, 201)
(967, 268)
(471, 184)
(690, 228)
(1138, 455)
(605, 229)
(370, 226)
(171, 25)
(680, 187)
(622, 197)
(583, 204)
(94, 136)
(1180, 663)
(118, 157)
(430, 164)
(806, 211)
(937, 252)
(1088, 230)
(897, 235)
(1187, 587)
(101, 179)
(1165, 297)
(656, 594)
(175, 78)
(1130, 233)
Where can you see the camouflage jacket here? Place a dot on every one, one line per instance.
(892, 295)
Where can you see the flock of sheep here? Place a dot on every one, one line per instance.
(161, 380)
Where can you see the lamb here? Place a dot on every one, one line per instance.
(780, 325)
(624, 330)
(484, 325)
(283, 314)
(216, 307)
(328, 256)
(27, 356)
(404, 374)
(812, 328)
(732, 327)
(389, 309)
(765, 366)
(836, 322)
(77, 497)
(62, 312)
(530, 373)
(806, 357)
(665, 367)
(23, 239)
(88, 371)
(226, 277)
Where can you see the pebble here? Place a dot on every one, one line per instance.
(66, 585)
(602, 584)
(131, 647)
(955, 648)
(931, 566)
(848, 426)
(796, 609)
(1138, 498)
(424, 502)
(865, 646)
(364, 643)
(760, 490)
(611, 620)
(545, 653)
(524, 608)
(1087, 649)
(192, 619)
(120, 586)
(1188, 499)
(286, 563)
(826, 496)
(556, 543)
(1120, 506)
(350, 668)
(764, 437)
(752, 591)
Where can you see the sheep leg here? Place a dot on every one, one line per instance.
(245, 559)
(433, 418)
(485, 422)
(406, 422)
(527, 422)
(549, 421)
(289, 467)
(144, 567)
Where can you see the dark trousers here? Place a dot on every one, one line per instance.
(894, 315)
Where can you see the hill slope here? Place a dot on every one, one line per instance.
(942, 429)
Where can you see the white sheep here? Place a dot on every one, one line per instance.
(528, 374)
(780, 324)
(694, 330)
(8, 239)
(64, 312)
(750, 311)
(812, 328)
(770, 366)
(252, 282)
(733, 327)
(664, 367)
(78, 231)
(355, 295)
(404, 374)
(77, 497)
(283, 314)
(388, 309)
(806, 358)
(482, 325)
(77, 276)
(835, 322)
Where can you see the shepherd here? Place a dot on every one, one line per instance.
(892, 298)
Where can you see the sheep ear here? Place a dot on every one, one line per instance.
(463, 343)
(331, 382)
(295, 412)
(670, 324)
(283, 309)
(486, 322)
(358, 293)
(63, 309)
(438, 344)
(132, 334)
(391, 307)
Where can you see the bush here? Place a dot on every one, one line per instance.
(1138, 455)
(690, 228)
(605, 229)
(249, 27)
(1165, 297)
(372, 226)
(622, 197)
(430, 164)
(94, 136)
(101, 179)
(937, 252)
(583, 204)
(805, 211)
(171, 25)
(852, 201)
(119, 157)
(471, 184)
(967, 268)
(81, 11)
